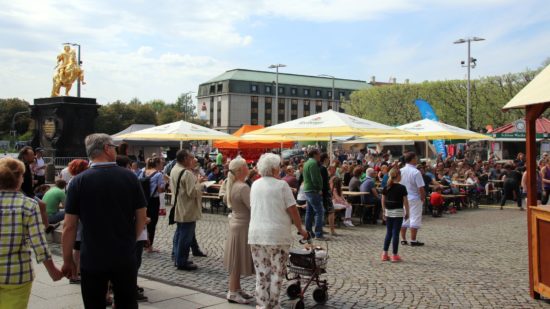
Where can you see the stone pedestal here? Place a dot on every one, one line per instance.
(62, 123)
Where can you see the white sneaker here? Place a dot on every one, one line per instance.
(236, 298)
(348, 223)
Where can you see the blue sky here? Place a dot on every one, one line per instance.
(160, 49)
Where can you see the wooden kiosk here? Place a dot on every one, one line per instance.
(535, 99)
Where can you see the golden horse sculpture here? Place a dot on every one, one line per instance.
(67, 72)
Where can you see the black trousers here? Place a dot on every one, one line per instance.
(153, 212)
(139, 252)
(508, 193)
(94, 288)
(40, 180)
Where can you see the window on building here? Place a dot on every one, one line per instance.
(330, 105)
(220, 88)
(329, 94)
(281, 90)
(254, 110)
(306, 92)
(268, 89)
(318, 93)
(211, 111)
(212, 89)
(341, 94)
(219, 112)
(293, 91)
(267, 113)
(293, 109)
(318, 106)
(281, 111)
(253, 88)
(307, 110)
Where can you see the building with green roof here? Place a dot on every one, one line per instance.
(240, 96)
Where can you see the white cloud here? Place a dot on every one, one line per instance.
(162, 48)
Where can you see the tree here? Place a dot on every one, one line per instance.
(394, 104)
(8, 108)
(185, 105)
(168, 115)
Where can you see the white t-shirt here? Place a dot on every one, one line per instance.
(411, 178)
(37, 165)
(270, 223)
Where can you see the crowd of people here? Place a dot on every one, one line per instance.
(110, 209)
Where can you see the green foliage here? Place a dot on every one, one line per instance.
(117, 116)
(185, 104)
(394, 104)
(8, 108)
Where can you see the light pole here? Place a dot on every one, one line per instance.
(79, 64)
(333, 101)
(471, 63)
(276, 67)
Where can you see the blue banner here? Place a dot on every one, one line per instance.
(427, 112)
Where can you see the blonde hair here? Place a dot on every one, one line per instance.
(10, 172)
(235, 170)
(393, 176)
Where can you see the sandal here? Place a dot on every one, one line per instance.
(404, 243)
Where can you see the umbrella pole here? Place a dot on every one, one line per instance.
(181, 144)
(427, 149)
(330, 149)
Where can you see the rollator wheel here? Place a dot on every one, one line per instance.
(320, 295)
(293, 291)
(297, 304)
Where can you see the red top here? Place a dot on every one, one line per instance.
(436, 199)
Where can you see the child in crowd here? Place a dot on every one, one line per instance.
(437, 202)
(339, 201)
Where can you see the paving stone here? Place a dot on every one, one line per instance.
(474, 259)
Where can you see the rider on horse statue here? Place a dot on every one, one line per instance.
(67, 72)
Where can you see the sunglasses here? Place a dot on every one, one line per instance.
(111, 145)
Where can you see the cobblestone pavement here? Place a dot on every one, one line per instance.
(474, 259)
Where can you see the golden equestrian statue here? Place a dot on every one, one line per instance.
(67, 71)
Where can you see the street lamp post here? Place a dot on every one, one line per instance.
(471, 63)
(79, 64)
(335, 104)
(276, 67)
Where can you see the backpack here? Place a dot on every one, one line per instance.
(145, 182)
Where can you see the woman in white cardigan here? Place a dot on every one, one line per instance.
(273, 209)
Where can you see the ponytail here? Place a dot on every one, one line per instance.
(235, 167)
(394, 175)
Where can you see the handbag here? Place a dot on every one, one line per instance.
(172, 214)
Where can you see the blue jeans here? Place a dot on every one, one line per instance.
(56, 217)
(393, 226)
(194, 245)
(315, 206)
(185, 234)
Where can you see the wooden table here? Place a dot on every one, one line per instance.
(209, 197)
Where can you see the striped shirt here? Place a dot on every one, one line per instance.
(20, 229)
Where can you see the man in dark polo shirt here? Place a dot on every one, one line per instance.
(26, 155)
(111, 206)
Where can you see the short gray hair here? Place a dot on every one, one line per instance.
(370, 170)
(95, 144)
(267, 163)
